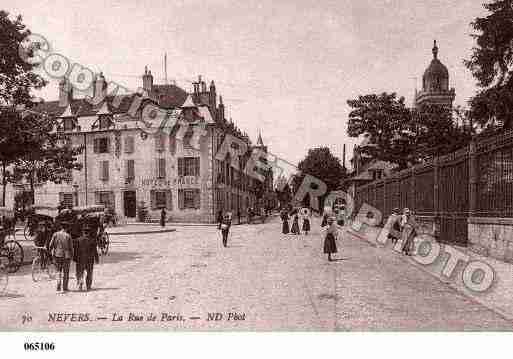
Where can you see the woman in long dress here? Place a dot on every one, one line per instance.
(331, 233)
(285, 218)
(295, 225)
(306, 223)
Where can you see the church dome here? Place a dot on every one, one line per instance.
(436, 76)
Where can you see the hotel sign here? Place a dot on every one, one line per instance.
(177, 182)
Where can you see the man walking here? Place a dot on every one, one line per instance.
(61, 248)
(86, 255)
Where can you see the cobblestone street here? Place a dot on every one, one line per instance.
(268, 281)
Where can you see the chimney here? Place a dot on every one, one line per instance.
(100, 87)
(65, 92)
(147, 80)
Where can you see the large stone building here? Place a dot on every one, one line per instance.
(124, 166)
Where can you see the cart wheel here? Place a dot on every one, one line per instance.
(106, 243)
(14, 253)
(37, 270)
(4, 280)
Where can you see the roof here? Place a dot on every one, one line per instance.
(259, 140)
(436, 68)
(168, 96)
(188, 102)
(204, 112)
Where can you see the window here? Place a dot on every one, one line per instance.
(189, 199)
(104, 170)
(129, 144)
(101, 145)
(161, 168)
(67, 199)
(187, 138)
(130, 169)
(105, 198)
(189, 166)
(68, 176)
(104, 122)
(69, 124)
(160, 142)
(161, 199)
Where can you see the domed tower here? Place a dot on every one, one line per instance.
(435, 84)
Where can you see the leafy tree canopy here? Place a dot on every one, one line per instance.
(491, 63)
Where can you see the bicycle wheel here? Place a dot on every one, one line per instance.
(4, 280)
(105, 243)
(37, 270)
(14, 253)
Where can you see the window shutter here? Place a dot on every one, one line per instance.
(100, 171)
(156, 170)
(97, 197)
(112, 200)
(197, 166)
(96, 145)
(163, 164)
(197, 199)
(181, 199)
(153, 200)
(106, 170)
(108, 144)
(169, 200)
(180, 167)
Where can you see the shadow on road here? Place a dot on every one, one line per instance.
(116, 257)
(11, 296)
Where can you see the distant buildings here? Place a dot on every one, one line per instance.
(435, 91)
(124, 167)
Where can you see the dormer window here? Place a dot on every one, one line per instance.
(104, 122)
(68, 124)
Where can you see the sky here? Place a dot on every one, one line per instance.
(285, 68)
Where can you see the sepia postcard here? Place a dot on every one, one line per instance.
(259, 166)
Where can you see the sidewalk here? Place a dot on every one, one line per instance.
(497, 298)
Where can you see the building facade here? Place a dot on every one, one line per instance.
(126, 166)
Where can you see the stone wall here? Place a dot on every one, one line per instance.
(491, 237)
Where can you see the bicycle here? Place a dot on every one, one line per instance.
(43, 263)
(103, 243)
(4, 278)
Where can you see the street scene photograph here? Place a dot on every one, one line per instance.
(260, 166)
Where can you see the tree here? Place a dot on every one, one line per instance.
(435, 133)
(17, 78)
(386, 121)
(402, 136)
(321, 164)
(48, 155)
(491, 63)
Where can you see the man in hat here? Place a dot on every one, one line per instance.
(62, 249)
(86, 254)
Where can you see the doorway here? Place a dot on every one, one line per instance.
(129, 201)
